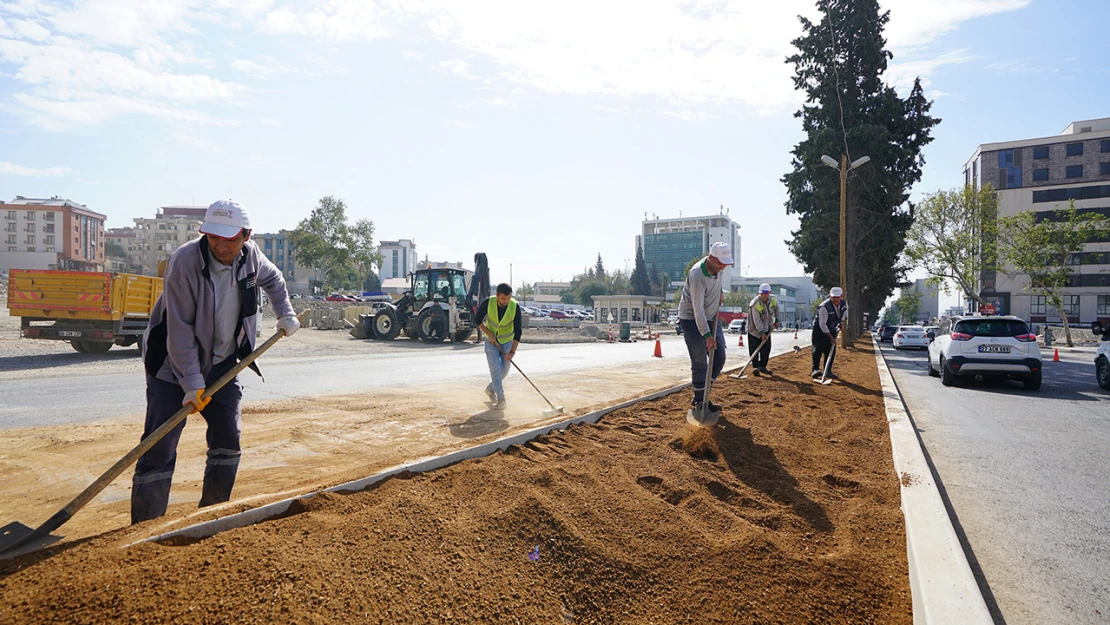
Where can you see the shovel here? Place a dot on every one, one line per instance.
(739, 375)
(825, 379)
(706, 417)
(16, 538)
(555, 410)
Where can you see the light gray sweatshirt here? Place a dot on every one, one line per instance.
(179, 341)
(701, 297)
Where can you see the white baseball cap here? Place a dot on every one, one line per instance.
(225, 219)
(765, 288)
(721, 251)
(836, 292)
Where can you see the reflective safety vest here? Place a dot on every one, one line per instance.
(502, 328)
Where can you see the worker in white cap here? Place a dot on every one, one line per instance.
(697, 316)
(201, 326)
(830, 316)
(763, 317)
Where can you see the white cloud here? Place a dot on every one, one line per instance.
(409, 54)
(916, 23)
(269, 121)
(1017, 66)
(19, 170)
(197, 142)
(499, 101)
(264, 68)
(460, 125)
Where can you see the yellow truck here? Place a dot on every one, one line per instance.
(91, 310)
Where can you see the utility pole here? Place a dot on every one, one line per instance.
(844, 167)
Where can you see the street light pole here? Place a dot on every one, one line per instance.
(844, 167)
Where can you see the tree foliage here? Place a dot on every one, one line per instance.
(952, 238)
(344, 253)
(850, 111)
(640, 280)
(1043, 249)
(909, 305)
(596, 281)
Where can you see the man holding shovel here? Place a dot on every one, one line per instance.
(205, 321)
(763, 317)
(697, 315)
(499, 319)
(830, 314)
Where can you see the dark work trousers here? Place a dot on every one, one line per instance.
(822, 346)
(150, 488)
(759, 361)
(699, 356)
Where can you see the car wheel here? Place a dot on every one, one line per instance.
(1033, 382)
(946, 377)
(385, 325)
(78, 346)
(462, 335)
(932, 372)
(1102, 373)
(96, 347)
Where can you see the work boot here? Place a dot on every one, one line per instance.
(755, 371)
(499, 404)
(833, 376)
(713, 407)
(765, 371)
(489, 393)
(816, 373)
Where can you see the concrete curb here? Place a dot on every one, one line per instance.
(261, 513)
(544, 340)
(942, 585)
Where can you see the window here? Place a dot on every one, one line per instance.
(49, 249)
(1103, 307)
(11, 238)
(49, 217)
(30, 239)
(1071, 305)
(1075, 149)
(30, 215)
(1090, 192)
(1009, 169)
(11, 248)
(9, 227)
(11, 214)
(48, 239)
(1104, 169)
(48, 228)
(1040, 174)
(1074, 171)
(1041, 152)
(1105, 145)
(31, 249)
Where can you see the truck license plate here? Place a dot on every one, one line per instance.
(71, 333)
(994, 349)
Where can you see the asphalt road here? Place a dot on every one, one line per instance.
(1026, 475)
(47, 389)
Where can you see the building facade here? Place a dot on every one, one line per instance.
(51, 233)
(785, 294)
(277, 247)
(669, 244)
(1042, 175)
(930, 302)
(398, 258)
(157, 238)
(126, 239)
(632, 308)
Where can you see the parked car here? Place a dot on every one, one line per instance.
(339, 297)
(736, 326)
(558, 314)
(1102, 356)
(887, 333)
(988, 346)
(910, 336)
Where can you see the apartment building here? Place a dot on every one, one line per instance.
(1042, 174)
(51, 233)
(670, 243)
(158, 237)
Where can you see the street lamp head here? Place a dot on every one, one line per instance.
(830, 161)
(859, 161)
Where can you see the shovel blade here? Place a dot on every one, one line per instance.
(557, 410)
(826, 382)
(14, 533)
(700, 418)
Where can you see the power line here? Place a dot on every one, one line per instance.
(836, 74)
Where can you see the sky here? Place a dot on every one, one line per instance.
(538, 133)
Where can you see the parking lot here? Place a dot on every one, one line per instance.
(1024, 473)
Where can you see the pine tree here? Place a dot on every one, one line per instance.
(849, 110)
(599, 269)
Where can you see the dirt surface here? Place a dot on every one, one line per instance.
(788, 513)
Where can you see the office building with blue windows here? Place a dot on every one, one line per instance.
(1042, 175)
(669, 244)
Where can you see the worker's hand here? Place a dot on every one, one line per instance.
(831, 337)
(710, 343)
(196, 400)
(288, 324)
(509, 356)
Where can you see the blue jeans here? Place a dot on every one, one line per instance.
(150, 488)
(699, 356)
(498, 366)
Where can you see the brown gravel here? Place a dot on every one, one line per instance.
(788, 513)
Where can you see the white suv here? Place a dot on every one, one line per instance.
(979, 347)
(1102, 356)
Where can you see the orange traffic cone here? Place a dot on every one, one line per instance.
(658, 350)
(741, 344)
(1056, 356)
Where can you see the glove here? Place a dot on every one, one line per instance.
(288, 324)
(196, 400)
